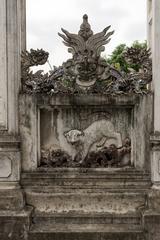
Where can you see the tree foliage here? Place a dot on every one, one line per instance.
(117, 58)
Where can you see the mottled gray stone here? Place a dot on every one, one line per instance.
(44, 121)
(74, 203)
(5, 165)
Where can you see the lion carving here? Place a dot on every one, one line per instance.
(95, 133)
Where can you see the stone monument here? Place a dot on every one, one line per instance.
(79, 151)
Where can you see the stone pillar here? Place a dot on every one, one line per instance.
(153, 21)
(12, 40)
(152, 215)
(14, 215)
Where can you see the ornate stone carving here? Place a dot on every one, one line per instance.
(31, 59)
(97, 133)
(86, 48)
(86, 71)
(110, 156)
(98, 145)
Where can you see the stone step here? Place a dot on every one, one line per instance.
(96, 218)
(75, 226)
(15, 224)
(11, 199)
(86, 226)
(85, 202)
(65, 179)
(86, 190)
(108, 228)
(86, 232)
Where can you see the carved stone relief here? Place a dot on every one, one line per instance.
(92, 143)
(86, 71)
(66, 138)
(97, 133)
(110, 156)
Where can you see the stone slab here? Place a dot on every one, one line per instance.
(96, 218)
(15, 224)
(6, 168)
(11, 199)
(63, 179)
(87, 236)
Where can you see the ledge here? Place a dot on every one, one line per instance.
(93, 179)
(128, 100)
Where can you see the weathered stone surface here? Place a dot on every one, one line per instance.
(11, 199)
(29, 132)
(91, 235)
(108, 179)
(45, 119)
(91, 203)
(3, 67)
(5, 166)
(15, 224)
(92, 191)
(74, 203)
(153, 42)
(154, 199)
(9, 158)
(85, 202)
(151, 222)
(155, 157)
(87, 71)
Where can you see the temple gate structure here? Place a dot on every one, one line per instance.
(80, 145)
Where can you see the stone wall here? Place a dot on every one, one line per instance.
(45, 120)
(45, 202)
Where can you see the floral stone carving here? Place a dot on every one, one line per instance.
(86, 71)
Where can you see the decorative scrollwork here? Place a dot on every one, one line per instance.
(87, 71)
(31, 59)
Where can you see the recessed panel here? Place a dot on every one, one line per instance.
(85, 136)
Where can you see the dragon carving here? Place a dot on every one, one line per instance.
(86, 48)
(86, 71)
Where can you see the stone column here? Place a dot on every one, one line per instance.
(14, 215)
(152, 214)
(153, 21)
(12, 40)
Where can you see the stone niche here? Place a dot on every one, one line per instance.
(85, 131)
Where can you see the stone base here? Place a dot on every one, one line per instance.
(96, 204)
(86, 226)
(14, 215)
(14, 225)
(89, 191)
(11, 199)
(18, 225)
(68, 204)
(96, 233)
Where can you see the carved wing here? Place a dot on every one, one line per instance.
(96, 42)
(75, 42)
